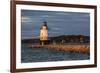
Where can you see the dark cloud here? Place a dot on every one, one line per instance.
(58, 22)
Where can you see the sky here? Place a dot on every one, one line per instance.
(58, 22)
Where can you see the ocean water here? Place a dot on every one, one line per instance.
(29, 55)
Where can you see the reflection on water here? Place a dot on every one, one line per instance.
(44, 55)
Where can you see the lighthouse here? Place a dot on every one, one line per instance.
(44, 33)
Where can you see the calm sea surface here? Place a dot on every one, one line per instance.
(44, 55)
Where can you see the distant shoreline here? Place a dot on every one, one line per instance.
(60, 39)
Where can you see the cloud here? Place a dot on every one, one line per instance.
(55, 28)
(63, 13)
(59, 23)
(45, 16)
(25, 19)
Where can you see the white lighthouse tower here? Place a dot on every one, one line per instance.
(44, 33)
